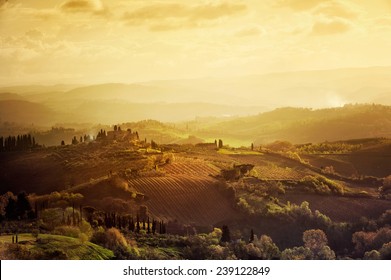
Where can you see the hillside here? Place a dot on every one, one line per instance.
(370, 157)
(178, 100)
(48, 247)
(188, 190)
(300, 125)
(21, 111)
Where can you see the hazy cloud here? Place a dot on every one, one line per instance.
(34, 34)
(301, 5)
(82, 6)
(385, 21)
(334, 9)
(250, 31)
(3, 4)
(162, 17)
(329, 28)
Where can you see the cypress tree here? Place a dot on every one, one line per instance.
(220, 143)
(153, 226)
(138, 225)
(73, 214)
(11, 209)
(251, 236)
(225, 237)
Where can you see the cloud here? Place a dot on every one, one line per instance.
(250, 31)
(168, 16)
(334, 9)
(4, 4)
(301, 5)
(329, 28)
(34, 34)
(83, 6)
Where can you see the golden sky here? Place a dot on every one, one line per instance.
(98, 41)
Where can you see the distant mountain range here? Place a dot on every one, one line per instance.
(184, 100)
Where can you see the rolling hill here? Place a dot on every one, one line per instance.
(301, 125)
(176, 100)
(21, 111)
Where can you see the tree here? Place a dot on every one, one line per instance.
(225, 237)
(143, 212)
(154, 145)
(74, 141)
(297, 253)
(251, 236)
(316, 241)
(154, 226)
(137, 224)
(220, 143)
(11, 209)
(263, 248)
(23, 206)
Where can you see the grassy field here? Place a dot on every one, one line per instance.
(47, 246)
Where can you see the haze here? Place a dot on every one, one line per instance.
(197, 51)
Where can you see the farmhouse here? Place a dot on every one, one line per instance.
(121, 135)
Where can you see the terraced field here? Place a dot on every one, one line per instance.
(275, 167)
(183, 198)
(191, 167)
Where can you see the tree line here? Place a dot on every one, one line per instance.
(17, 143)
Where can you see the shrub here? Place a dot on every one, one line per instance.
(374, 240)
(67, 231)
(314, 239)
(297, 253)
(263, 248)
(385, 251)
(321, 185)
(115, 239)
(372, 255)
(52, 217)
(85, 228)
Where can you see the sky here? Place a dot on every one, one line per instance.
(100, 41)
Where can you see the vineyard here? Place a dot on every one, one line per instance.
(272, 172)
(275, 167)
(188, 200)
(191, 167)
